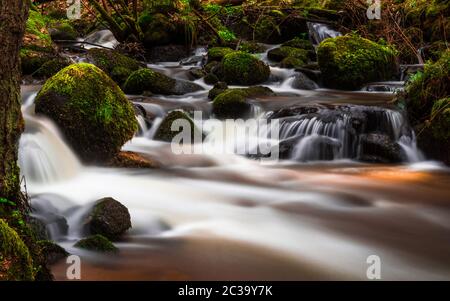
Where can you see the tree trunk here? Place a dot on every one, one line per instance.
(13, 16)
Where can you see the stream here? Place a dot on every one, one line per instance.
(315, 214)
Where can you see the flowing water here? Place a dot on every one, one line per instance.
(317, 213)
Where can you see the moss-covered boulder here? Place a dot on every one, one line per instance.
(118, 66)
(424, 88)
(51, 67)
(15, 259)
(36, 35)
(426, 97)
(280, 53)
(148, 80)
(217, 89)
(299, 43)
(90, 109)
(62, 30)
(217, 53)
(96, 243)
(348, 62)
(52, 252)
(440, 114)
(242, 68)
(109, 218)
(32, 60)
(211, 79)
(165, 133)
(232, 103)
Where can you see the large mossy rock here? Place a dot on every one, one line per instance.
(348, 62)
(165, 133)
(109, 218)
(90, 109)
(96, 243)
(148, 80)
(37, 48)
(15, 259)
(118, 66)
(217, 53)
(242, 68)
(232, 103)
(427, 100)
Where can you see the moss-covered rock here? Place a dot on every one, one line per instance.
(243, 69)
(131, 160)
(90, 109)
(109, 218)
(217, 89)
(292, 62)
(424, 88)
(251, 47)
(158, 29)
(62, 30)
(211, 79)
(52, 252)
(51, 67)
(148, 80)
(32, 60)
(232, 103)
(427, 100)
(348, 62)
(280, 53)
(440, 115)
(15, 259)
(299, 43)
(165, 133)
(36, 35)
(217, 53)
(118, 66)
(96, 243)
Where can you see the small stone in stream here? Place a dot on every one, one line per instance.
(109, 218)
(211, 79)
(98, 243)
(379, 148)
(217, 89)
(302, 82)
(52, 252)
(131, 160)
(165, 133)
(197, 73)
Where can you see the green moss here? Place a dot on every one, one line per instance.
(217, 53)
(232, 103)
(210, 79)
(299, 43)
(350, 61)
(62, 30)
(292, 62)
(283, 52)
(165, 133)
(440, 122)
(36, 34)
(15, 260)
(116, 65)
(91, 110)
(97, 243)
(251, 47)
(149, 80)
(244, 69)
(50, 68)
(425, 88)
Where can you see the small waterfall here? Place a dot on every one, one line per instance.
(44, 156)
(103, 38)
(331, 134)
(319, 32)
